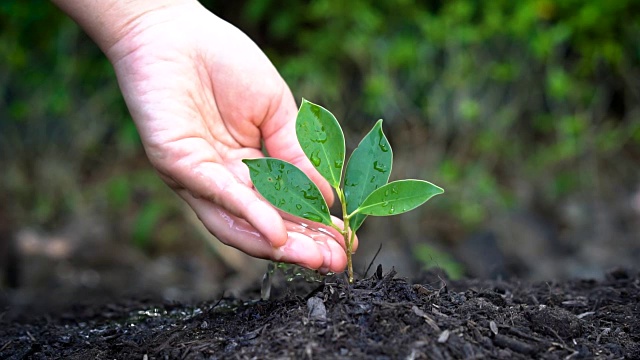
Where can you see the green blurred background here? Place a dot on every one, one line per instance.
(526, 112)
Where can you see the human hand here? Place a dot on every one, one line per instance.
(204, 97)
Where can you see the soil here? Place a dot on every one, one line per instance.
(380, 317)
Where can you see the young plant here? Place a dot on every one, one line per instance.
(362, 188)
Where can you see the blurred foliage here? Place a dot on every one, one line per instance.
(503, 103)
(431, 258)
(68, 147)
(524, 103)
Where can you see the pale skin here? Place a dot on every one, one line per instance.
(204, 97)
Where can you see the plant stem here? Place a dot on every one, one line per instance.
(347, 235)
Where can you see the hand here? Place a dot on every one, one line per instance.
(203, 97)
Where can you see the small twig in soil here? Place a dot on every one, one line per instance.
(513, 344)
(444, 285)
(372, 260)
(165, 344)
(555, 333)
(31, 336)
(185, 353)
(523, 335)
(217, 302)
(5, 345)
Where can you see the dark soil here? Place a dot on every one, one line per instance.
(380, 317)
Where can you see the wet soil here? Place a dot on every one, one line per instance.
(379, 317)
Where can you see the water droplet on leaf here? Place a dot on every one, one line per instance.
(307, 195)
(321, 137)
(383, 145)
(378, 166)
(392, 210)
(315, 159)
(312, 217)
(394, 190)
(315, 109)
(298, 206)
(338, 164)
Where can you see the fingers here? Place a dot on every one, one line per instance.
(304, 246)
(197, 175)
(310, 226)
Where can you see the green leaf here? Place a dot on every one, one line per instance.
(322, 140)
(398, 197)
(368, 168)
(288, 188)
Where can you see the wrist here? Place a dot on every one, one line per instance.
(108, 22)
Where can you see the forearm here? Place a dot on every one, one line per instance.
(109, 21)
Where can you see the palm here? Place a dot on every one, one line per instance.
(204, 97)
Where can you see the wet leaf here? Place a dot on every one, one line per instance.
(398, 197)
(368, 168)
(322, 140)
(288, 188)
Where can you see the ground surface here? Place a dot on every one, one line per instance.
(380, 317)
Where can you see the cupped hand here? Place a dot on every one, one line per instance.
(204, 97)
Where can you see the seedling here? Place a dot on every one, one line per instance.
(363, 188)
